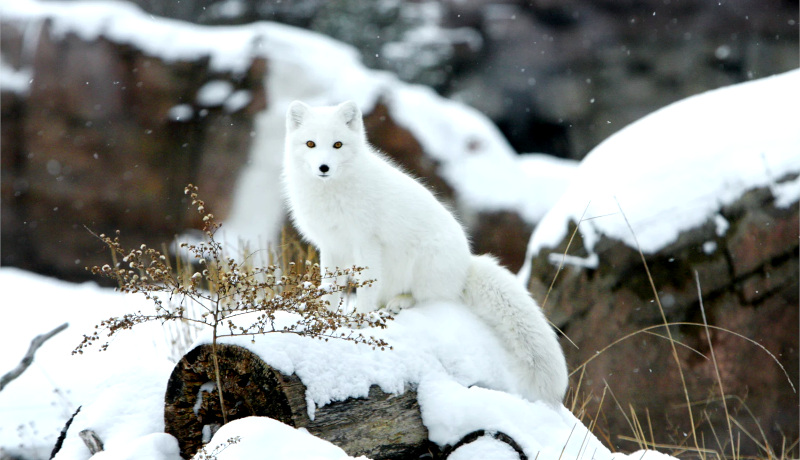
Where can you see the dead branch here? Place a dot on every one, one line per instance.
(27, 360)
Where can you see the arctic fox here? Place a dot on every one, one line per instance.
(359, 209)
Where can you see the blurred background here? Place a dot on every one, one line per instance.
(555, 77)
(105, 121)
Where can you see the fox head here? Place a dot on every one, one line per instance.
(321, 140)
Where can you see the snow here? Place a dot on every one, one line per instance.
(121, 403)
(422, 347)
(786, 193)
(14, 80)
(457, 364)
(485, 447)
(214, 93)
(229, 48)
(181, 112)
(675, 168)
(261, 434)
(237, 101)
(155, 446)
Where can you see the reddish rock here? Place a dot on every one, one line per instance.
(97, 143)
(760, 235)
(503, 234)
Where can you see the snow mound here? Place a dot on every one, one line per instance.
(673, 169)
(458, 366)
(251, 437)
(229, 48)
(14, 80)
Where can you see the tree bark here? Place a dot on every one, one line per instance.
(382, 426)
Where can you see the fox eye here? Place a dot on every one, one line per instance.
(311, 144)
(337, 145)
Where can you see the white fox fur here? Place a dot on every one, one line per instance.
(359, 209)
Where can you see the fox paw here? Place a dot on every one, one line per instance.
(398, 303)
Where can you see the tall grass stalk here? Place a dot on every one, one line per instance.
(714, 361)
(669, 332)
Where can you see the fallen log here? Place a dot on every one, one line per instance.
(382, 426)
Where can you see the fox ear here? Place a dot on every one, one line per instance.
(295, 115)
(351, 115)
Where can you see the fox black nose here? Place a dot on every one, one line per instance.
(324, 168)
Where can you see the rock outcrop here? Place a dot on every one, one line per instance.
(106, 137)
(749, 288)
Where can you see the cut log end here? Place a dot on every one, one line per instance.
(192, 406)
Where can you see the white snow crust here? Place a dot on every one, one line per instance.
(261, 434)
(14, 80)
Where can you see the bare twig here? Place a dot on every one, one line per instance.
(714, 360)
(27, 360)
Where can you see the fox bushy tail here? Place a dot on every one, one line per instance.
(499, 299)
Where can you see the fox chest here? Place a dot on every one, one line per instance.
(335, 216)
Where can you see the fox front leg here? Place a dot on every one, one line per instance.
(330, 263)
(368, 295)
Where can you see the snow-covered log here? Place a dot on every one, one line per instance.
(382, 426)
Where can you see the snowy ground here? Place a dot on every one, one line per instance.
(35, 407)
(456, 362)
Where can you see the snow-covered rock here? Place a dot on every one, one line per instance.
(673, 169)
(709, 185)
